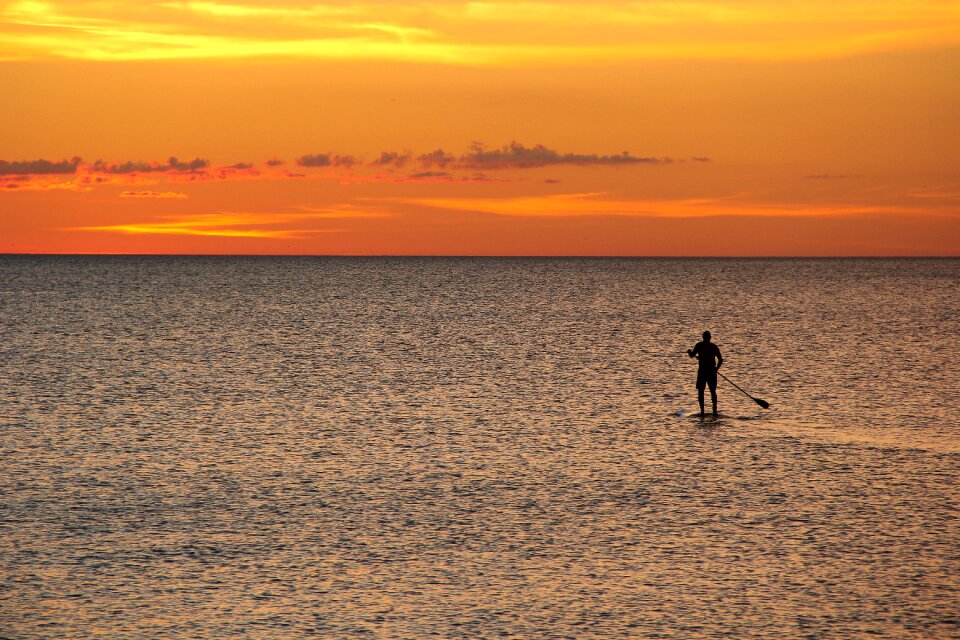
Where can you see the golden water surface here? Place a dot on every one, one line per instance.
(476, 448)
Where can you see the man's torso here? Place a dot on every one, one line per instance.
(707, 353)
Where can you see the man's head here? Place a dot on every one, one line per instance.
(706, 336)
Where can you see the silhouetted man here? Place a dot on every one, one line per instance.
(706, 352)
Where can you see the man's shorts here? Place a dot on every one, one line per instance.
(705, 378)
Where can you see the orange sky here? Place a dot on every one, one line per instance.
(749, 127)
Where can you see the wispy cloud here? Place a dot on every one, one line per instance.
(244, 225)
(345, 211)
(604, 204)
(229, 225)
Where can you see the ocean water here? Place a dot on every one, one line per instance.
(477, 448)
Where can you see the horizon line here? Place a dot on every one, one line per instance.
(492, 256)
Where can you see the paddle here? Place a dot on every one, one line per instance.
(762, 403)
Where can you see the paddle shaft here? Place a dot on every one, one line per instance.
(735, 384)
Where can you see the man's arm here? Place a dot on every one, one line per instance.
(693, 352)
(719, 358)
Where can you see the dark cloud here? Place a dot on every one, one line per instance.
(517, 156)
(325, 160)
(701, 159)
(226, 172)
(343, 161)
(273, 162)
(173, 164)
(438, 158)
(482, 177)
(39, 166)
(431, 174)
(551, 181)
(316, 160)
(153, 194)
(831, 176)
(393, 158)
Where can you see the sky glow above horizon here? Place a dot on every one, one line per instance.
(744, 127)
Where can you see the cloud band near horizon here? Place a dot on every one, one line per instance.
(18, 174)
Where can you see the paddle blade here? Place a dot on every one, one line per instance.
(762, 403)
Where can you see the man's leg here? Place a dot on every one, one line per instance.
(713, 396)
(700, 399)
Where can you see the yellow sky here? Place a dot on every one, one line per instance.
(772, 128)
(473, 33)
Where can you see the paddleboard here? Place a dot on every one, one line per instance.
(695, 414)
